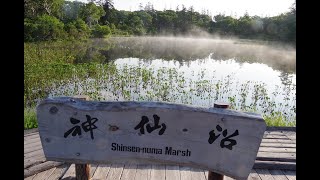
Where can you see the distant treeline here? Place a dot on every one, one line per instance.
(59, 19)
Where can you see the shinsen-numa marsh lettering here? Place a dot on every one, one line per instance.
(150, 150)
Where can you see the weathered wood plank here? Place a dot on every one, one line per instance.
(279, 150)
(31, 141)
(28, 162)
(227, 178)
(197, 174)
(34, 153)
(254, 175)
(93, 168)
(278, 145)
(290, 157)
(33, 136)
(278, 175)
(70, 173)
(274, 165)
(44, 174)
(121, 132)
(283, 141)
(30, 177)
(40, 167)
(115, 171)
(33, 161)
(158, 172)
(58, 172)
(185, 173)
(101, 172)
(32, 148)
(264, 174)
(143, 172)
(172, 173)
(291, 175)
(129, 171)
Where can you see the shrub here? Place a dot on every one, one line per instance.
(100, 31)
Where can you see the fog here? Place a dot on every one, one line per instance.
(189, 47)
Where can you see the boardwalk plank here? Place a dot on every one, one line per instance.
(31, 141)
(278, 150)
(280, 156)
(115, 171)
(58, 172)
(40, 167)
(291, 175)
(143, 172)
(34, 153)
(197, 174)
(101, 172)
(129, 171)
(44, 174)
(278, 175)
(158, 172)
(279, 145)
(185, 173)
(254, 175)
(264, 174)
(172, 173)
(70, 173)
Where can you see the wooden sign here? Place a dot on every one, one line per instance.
(218, 140)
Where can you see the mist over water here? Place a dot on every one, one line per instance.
(251, 75)
(277, 55)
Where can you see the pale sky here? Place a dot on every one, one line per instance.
(234, 8)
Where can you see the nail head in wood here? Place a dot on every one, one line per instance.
(222, 105)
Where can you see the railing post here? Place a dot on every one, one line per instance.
(213, 175)
(82, 170)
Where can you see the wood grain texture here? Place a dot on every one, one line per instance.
(115, 171)
(187, 132)
(291, 175)
(254, 175)
(197, 174)
(143, 172)
(82, 171)
(278, 175)
(101, 172)
(158, 172)
(185, 173)
(264, 174)
(44, 174)
(70, 173)
(274, 165)
(58, 172)
(40, 167)
(129, 171)
(172, 172)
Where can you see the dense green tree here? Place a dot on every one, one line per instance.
(146, 21)
(91, 13)
(44, 27)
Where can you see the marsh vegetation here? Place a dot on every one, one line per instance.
(252, 76)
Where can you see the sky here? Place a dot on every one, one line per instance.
(235, 8)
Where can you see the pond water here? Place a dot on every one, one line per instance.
(250, 75)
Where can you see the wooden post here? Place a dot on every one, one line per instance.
(82, 170)
(213, 175)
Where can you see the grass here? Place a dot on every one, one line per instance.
(30, 118)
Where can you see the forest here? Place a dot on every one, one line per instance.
(51, 20)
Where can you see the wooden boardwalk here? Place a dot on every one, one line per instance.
(276, 160)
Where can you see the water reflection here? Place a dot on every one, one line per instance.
(184, 50)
